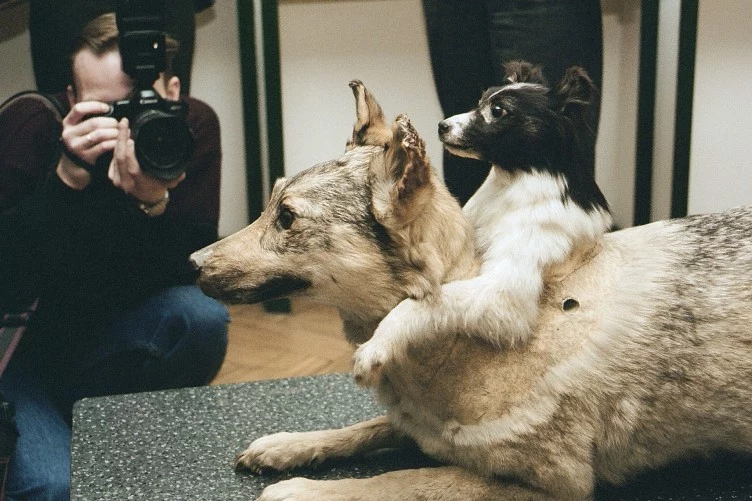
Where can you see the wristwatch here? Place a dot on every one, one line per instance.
(150, 208)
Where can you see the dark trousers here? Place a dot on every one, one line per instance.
(174, 339)
(469, 40)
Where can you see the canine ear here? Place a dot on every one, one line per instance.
(406, 159)
(402, 183)
(279, 184)
(370, 128)
(523, 72)
(575, 92)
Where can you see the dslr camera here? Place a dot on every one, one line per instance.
(163, 139)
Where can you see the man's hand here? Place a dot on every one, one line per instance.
(85, 139)
(126, 174)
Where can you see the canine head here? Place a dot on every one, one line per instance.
(360, 232)
(525, 125)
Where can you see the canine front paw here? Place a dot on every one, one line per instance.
(369, 361)
(295, 489)
(278, 452)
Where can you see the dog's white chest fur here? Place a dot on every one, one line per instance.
(526, 216)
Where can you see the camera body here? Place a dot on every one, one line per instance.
(163, 139)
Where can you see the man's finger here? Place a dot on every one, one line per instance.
(85, 108)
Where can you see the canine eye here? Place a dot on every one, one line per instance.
(497, 111)
(285, 218)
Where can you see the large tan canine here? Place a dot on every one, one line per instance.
(642, 353)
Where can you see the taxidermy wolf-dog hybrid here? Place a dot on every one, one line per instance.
(538, 204)
(641, 354)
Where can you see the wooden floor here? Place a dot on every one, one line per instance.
(264, 345)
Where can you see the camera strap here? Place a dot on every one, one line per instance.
(58, 108)
(75, 158)
(50, 101)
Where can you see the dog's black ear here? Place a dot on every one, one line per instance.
(406, 159)
(370, 128)
(575, 92)
(523, 72)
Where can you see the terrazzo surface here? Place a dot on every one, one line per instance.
(180, 444)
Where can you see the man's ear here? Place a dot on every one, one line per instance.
(172, 88)
(575, 92)
(71, 94)
(370, 128)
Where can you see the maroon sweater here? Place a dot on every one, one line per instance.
(89, 255)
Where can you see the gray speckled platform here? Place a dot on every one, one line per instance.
(180, 444)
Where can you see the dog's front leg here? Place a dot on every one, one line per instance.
(283, 451)
(482, 307)
(388, 344)
(446, 483)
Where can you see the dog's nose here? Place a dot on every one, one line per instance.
(198, 258)
(444, 127)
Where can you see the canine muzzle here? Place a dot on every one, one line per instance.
(452, 134)
(199, 258)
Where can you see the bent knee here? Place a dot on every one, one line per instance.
(188, 306)
(44, 485)
(193, 326)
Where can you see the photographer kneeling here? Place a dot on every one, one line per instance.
(103, 241)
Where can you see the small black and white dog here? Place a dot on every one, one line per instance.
(538, 205)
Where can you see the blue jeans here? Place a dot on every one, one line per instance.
(176, 338)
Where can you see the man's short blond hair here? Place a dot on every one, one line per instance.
(100, 36)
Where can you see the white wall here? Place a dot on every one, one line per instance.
(615, 152)
(324, 45)
(665, 107)
(721, 145)
(16, 73)
(215, 79)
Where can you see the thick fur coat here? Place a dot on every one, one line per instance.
(641, 354)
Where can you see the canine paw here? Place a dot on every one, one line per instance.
(295, 489)
(368, 362)
(278, 452)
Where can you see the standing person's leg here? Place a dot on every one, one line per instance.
(176, 338)
(469, 40)
(460, 47)
(39, 468)
(555, 34)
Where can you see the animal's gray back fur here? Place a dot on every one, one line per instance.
(653, 366)
(677, 361)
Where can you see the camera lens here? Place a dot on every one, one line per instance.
(164, 143)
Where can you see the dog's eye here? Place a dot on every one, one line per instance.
(497, 111)
(285, 218)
